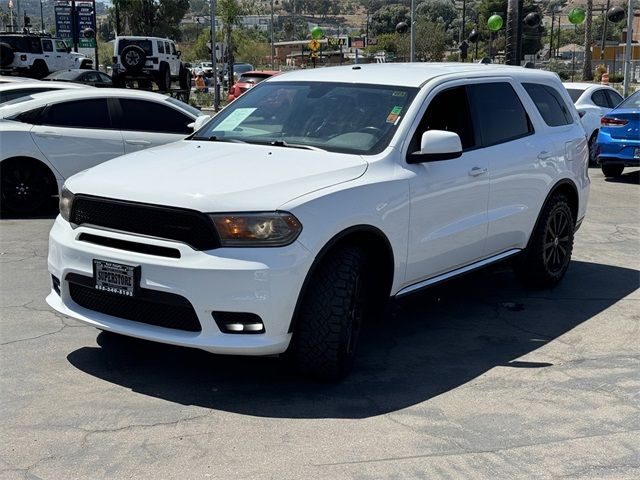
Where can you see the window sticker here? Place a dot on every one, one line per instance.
(234, 119)
(399, 94)
(394, 115)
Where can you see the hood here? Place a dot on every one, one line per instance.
(217, 177)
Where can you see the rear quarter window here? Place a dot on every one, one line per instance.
(550, 104)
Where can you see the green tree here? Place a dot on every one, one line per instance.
(438, 11)
(387, 17)
(431, 40)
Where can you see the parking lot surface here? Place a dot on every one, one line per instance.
(478, 378)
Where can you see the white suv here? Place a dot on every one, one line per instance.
(36, 55)
(288, 220)
(146, 60)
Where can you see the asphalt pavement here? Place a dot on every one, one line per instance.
(479, 378)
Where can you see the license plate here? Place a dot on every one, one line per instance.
(116, 278)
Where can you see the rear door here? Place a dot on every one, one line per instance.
(76, 135)
(146, 123)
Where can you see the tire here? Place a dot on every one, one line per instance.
(6, 54)
(331, 315)
(593, 149)
(26, 186)
(612, 170)
(133, 58)
(146, 84)
(39, 69)
(164, 77)
(185, 78)
(545, 261)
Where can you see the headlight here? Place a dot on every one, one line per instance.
(66, 202)
(271, 229)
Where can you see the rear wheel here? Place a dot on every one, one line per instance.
(164, 77)
(328, 326)
(593, 149)
(612, 170)
(39, 69)
(26, 186)
(185, 78)
(546, 259)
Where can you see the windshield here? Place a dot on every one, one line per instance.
(631, 102)
(253, 77)
(144, 44)
(184, 106)
(337, 117)
(574, 94)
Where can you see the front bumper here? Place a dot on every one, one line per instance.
(262, 281)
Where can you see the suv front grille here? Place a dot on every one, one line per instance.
(152, 307)
(187, 226)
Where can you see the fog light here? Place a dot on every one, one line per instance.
(238, 322)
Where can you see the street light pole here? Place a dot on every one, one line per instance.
(273, 65)
(627, 50)
(214, 59)
(412, 54)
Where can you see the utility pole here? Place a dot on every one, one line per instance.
(604, 30)
(273, 65)
(627, 50)
(412, 54)
(587, 73)
(41, 18)
(214, 59)
(511, 53)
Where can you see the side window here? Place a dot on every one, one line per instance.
(173, 49)
(448, 110)
(34, 45)
(167, 49)
(47, 45)
(550, 104)
(91, 77)
(32, 116)
(600, 99)
(498, 113)
(614, 98)
(160, 46)
(92, 113)
(141, 115)
(61, 46)
(104, 77)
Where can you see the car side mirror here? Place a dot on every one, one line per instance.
(200, 121)
(68, 49)
(179, 53)
(437, 145)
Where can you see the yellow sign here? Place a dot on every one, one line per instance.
(314, 55)
(314, 45)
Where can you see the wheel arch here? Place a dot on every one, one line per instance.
(46, 168)
(375, 243)
(566, 187)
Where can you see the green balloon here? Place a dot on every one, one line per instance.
(494, 23)
(317, 33)
(577, 16)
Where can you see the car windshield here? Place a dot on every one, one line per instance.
(184, 106)
(631, 102)
(337, 117)
(144, 44)
(253, 77)
(62, 75)
(575, 94)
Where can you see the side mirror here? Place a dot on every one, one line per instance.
(179, 53)
(437, 145)
(199, 122)
(68, 49)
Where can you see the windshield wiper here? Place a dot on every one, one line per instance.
(214, 138)
(282, 143)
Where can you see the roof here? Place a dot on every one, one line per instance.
(4, 87)
(583, 85)
(403, 74)
(133, 37)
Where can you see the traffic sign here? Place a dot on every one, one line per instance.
(314, 45)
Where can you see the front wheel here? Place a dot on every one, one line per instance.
(328, 326)
(612, 170)
(593, 149)
(26, 187)
(546, 259)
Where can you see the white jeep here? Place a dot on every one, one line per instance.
(37, 55)
(146, 60)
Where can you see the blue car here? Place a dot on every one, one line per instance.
(619, 137)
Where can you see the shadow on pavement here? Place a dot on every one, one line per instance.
(434, 342)
(49, 211)
(630, 177)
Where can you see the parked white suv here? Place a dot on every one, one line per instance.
(37, 55)
(146, 60)
(287, 220)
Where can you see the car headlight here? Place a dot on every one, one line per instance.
(269, 229)
(66, 202)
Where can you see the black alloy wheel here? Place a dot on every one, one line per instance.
(25, 187)
(556, 248)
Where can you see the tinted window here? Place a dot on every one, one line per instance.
(32, 116)
(575, 94)
(631, 102)
(173, 49)
(92, 113)
(600, 99)
(498, 113)
(104, 77)
(17, 42)
(160, 46)
(91, 77)
(11, 94)
(47, 45)
(167, 49)
(550, 104)
(34, 45)
(449, 110)
(61, 46)
(614, 98)
(146, 116)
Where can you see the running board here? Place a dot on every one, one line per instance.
(454, 273)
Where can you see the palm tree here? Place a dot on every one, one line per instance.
(587, 72)
(230, 12)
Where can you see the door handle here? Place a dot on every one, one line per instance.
(138, 142)
(475, 171)
(48, 134)
(544, 155)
